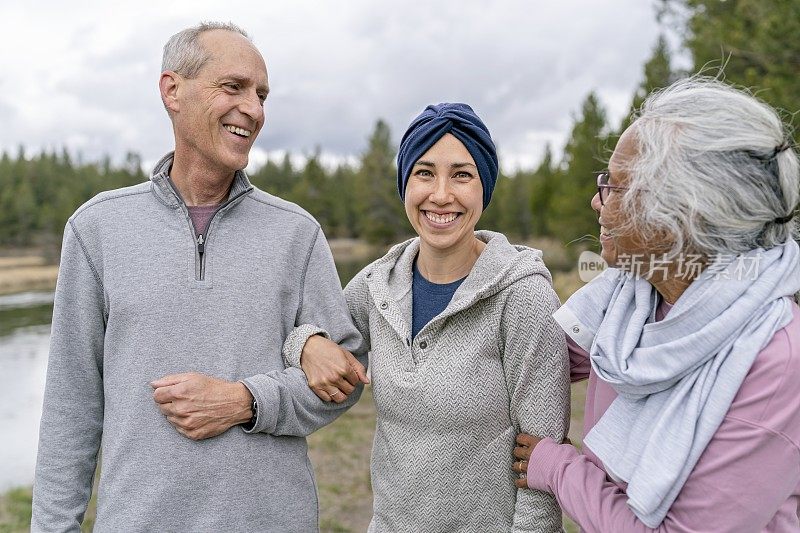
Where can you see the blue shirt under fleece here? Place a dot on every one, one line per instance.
(429, 299)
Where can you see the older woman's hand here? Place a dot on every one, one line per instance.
(522, 454)
(332, 372)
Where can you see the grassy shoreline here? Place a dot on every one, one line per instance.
(23, 270)
(26, 273)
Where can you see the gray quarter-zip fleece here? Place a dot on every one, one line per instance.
(136, 300)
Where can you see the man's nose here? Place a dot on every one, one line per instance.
(252, 106)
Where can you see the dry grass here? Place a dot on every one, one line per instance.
(22, 261)
(29, 278)
(26, 273)
(354, 250)
(565, 283)
(340, 453)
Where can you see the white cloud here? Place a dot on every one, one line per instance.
(87, 77)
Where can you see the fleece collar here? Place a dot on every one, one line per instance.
(164, 191)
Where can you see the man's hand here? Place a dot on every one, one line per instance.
(332, 372)
(200, 406)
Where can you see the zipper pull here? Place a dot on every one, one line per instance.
(200, 243)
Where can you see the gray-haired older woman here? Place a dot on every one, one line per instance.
(692, 343)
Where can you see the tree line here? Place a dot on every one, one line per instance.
(38, 194)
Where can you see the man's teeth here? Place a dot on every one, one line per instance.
(441, 219)
(238, 131)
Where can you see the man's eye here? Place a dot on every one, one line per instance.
(233, 86)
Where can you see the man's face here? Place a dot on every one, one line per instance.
(220, 112)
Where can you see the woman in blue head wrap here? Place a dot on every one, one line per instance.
(464, 350)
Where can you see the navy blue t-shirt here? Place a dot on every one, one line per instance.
(429, 299)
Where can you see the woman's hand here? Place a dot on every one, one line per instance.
(522, 454)
(332, 372)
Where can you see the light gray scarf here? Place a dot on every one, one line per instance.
(675, 379)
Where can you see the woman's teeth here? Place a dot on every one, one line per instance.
(441, 219)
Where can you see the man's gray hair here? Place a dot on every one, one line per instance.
(184, 54)
(715, 170)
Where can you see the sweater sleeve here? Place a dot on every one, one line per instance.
(745, 474)
(579, 364)
(357, 297)
(287, 406)
(537, 376)
(356, 293)
(72, 416)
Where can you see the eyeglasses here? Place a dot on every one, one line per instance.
(603, 187)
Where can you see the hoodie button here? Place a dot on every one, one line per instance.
(384, 305)
(423, 345)
(576, 329)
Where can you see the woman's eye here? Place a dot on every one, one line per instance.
(464, 176)
(423, 173)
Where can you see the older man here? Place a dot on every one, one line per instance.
(174, 299)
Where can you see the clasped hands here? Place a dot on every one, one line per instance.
(201, 406)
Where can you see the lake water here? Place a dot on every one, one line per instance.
(24, 345)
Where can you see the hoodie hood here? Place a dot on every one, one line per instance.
(500, 265)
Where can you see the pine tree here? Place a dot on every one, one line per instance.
(311, 191)
(755, 40)
(543, 186)
(584, 154)
(381, 216)
(657, 75)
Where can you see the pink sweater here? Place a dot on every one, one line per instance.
(747, 479)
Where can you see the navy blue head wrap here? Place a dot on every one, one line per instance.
(460, 121)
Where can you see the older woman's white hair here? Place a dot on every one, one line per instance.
(715, 168)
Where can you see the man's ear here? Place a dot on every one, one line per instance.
(168, 85)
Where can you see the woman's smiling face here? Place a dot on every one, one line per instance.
(444, 195)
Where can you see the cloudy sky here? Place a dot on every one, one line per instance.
(84, 74)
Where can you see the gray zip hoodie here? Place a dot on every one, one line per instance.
(136, 300)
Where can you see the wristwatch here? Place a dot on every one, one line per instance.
(250, 424)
